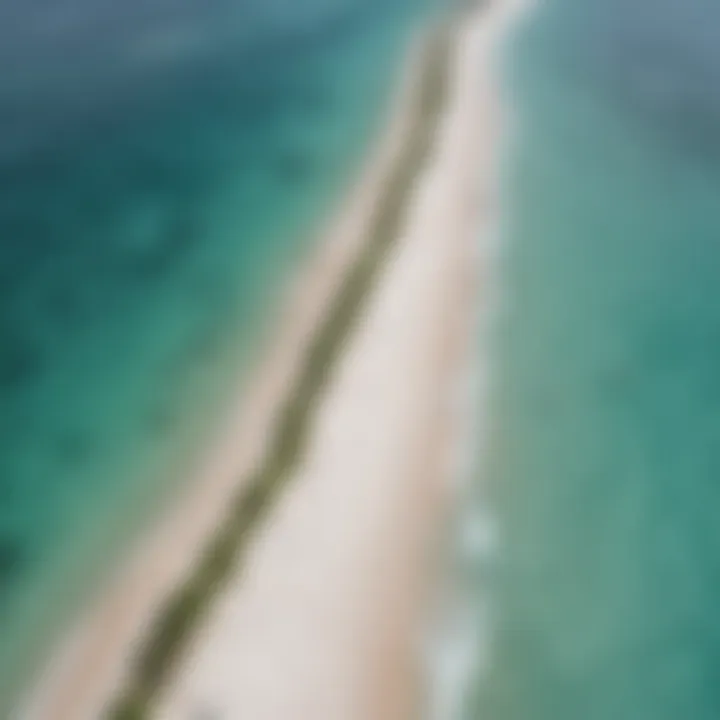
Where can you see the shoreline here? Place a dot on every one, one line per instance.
(162, 555)
(459, 637)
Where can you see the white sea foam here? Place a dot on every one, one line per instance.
(459, 648)
(459, 644)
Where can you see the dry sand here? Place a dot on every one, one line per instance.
(324, 623)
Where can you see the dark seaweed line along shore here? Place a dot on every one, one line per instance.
(181, 614)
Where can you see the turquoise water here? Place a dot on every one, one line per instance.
(604, 463)
(163, 167)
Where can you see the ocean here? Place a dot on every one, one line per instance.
(600, 482)
(163, 169)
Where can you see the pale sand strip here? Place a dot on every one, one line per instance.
(92, 661)
(326, 621)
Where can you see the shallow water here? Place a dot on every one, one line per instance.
(604, 457)
(162, 169)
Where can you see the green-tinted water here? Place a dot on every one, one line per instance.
(604, 461)
(162, 171)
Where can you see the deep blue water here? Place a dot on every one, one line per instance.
(162, 167)
(604, 463)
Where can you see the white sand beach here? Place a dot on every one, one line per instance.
(327, 618)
